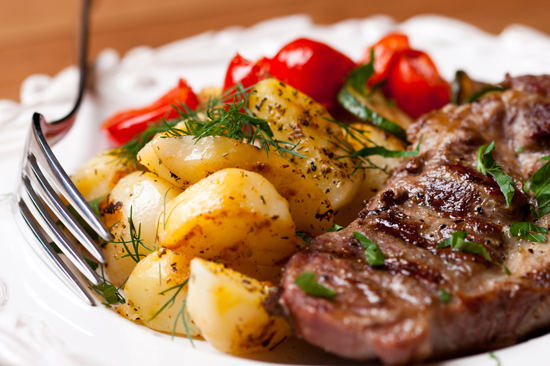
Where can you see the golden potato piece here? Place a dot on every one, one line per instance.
(142, 195)
(99, 175)
(158, 286)
(233, 214)
(228, 309)
(184, 161)
(296, 118)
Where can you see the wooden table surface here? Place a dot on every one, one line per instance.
(37, 36)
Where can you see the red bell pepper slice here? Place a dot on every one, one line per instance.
(123, 126)
(415, 84)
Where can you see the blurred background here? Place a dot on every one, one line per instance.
(37, 36)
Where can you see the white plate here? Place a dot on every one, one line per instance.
(43, 323)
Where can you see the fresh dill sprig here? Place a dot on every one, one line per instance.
(361, 137)
(229, 116)
(171, 301)
(135, 240)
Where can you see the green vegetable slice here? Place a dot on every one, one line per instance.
(372, 112)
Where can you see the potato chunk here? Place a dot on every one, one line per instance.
(143, 195)
(296, 118)
(233, 214)
(185, 161)
(99, 175)
(228, 309)
(157, 279)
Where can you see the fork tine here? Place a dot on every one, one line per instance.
(54, 202)
(74, 283)
(61, 180)
(57, 235)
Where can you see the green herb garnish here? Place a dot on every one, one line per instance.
(135, 240)
(486, 164)
(458, 242)
(539, 184)
(444, 296)
(109, 291)
(382, 151)
(229, 116)
(334, 228)
(305, 236)
(528, 231)
(359, 76)
(361, 137)
(306, 281)
(374, 255)
(494, 357)
(171, 302)
(520, 149)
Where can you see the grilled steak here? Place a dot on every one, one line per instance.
(396, 311)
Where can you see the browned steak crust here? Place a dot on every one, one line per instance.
(395, 311)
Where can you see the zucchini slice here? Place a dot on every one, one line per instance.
(374, 109)
(466, 90)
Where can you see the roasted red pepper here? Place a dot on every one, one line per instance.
(122, 126)
(415, 84)
(313, 68)
(408, 76)
(247, 73)
(384, 52)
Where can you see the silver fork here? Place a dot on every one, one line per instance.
(43, 181)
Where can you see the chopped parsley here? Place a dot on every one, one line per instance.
(308, 239)
(305, 236)
(528, 231)
(334, 227)
(109, 291)
(486, 164)
(539, 184)
(306, 281)
(373, 254)
(444, 296)
(458, 242)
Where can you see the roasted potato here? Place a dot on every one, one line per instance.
(99, 175)
(228, 309)
(296, 118)
(231, 215)
(155, 293)
(143, 196)
(184, 161)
